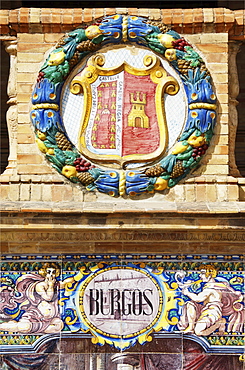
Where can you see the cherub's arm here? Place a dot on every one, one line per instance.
(46, 291)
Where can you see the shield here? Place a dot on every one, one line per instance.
(123, 116)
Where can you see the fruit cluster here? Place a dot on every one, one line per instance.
(180, 44)
(201, 150)
(40, 76)
(82, 165)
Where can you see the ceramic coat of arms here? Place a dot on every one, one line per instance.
(124, 106)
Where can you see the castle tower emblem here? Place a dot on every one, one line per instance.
(123, 114)
(137, 116)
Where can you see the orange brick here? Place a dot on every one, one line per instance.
(47, 28)
(239, 16)
(167, 16)
(30, 57)
(67, 16)
(25, 139)
(177, 16)
(25, 129)
(24, 15)
(13, 16)
(218, 15)
(132, 11)
(29, 158)
(87, 15)
(187, 16)
(233, 193)
(60, 193)
(208, 15)
(23, 117)
(34, 169)
(216, 58)
(46, 15)
(4, 30)
(211, 193)
(221, 149)
(77, 16)
(111, 11)
(155, 14)
(35, 15)
(32, 48)
(228, 16)
(143, 12)
(218, 67)
(198, 15)
(221, 89)
(29, 38)
(23, 98)
(4, 17)
(99, 13)
(28, 67)
(56, 16)
(56, 28)
(213, 48)
(177, 20)
(201, 190)
(23, 108)
(53, 37)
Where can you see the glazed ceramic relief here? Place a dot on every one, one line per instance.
(125, 106)
(122, 301)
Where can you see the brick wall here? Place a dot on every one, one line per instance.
(37, 30)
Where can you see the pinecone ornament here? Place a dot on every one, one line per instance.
(86, 46)
(61, 42)
(74, 59)
(62, 142)
(85, 178)
(154, 171)
(178, 170)
(203, 68)
(184, 65)
(162, 26)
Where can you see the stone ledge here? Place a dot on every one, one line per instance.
(30, 20)
(127, 207)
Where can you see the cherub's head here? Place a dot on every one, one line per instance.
(49, 268)
(208, 272)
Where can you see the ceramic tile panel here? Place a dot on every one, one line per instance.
(175, 310)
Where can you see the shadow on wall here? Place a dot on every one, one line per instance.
(240, 137)
(4, 143)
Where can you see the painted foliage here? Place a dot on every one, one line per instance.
(125, 106)
(123, 300)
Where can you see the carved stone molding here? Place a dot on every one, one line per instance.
(12, 113)
(234, 48)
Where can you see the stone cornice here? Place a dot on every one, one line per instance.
(189, 21)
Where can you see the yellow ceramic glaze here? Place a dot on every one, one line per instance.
(166, 40)
(41, 135)
(69, 171)
(161, 184)
(196, 141)
(170, 54)
(179, 148)
(42, 147)
(92, 31)
(56, 58)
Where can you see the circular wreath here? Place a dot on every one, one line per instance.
(51, 135)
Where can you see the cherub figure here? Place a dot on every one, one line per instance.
(38, 298)
(204, 312)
